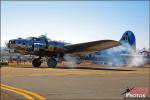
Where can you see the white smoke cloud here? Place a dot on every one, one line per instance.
(71, 61)
(131, 58)
(136, 60)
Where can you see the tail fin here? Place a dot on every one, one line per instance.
(128, 37)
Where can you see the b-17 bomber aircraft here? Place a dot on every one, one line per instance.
(52, 50)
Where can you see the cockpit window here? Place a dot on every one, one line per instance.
(38, 39)
(13, 41)
(23, 43)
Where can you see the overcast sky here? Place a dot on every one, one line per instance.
(75, 21)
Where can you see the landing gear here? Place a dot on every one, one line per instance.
(36, 62)
(51, 62)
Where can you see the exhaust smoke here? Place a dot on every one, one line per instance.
(131, 58)
(71, 61)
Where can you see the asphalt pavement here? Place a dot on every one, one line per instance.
(77, 83)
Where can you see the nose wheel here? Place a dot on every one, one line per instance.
(36, 62)
(51, 62)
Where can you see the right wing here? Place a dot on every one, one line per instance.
(89, 47)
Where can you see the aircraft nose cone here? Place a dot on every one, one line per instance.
(7, 44)
(11, 44)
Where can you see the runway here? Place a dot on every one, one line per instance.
(84, 82)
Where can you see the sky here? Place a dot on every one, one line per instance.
(75, 21)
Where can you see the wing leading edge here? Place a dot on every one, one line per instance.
(89, 47)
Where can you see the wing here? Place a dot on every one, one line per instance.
(89, 47)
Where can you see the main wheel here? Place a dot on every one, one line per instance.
(51, 63)
(36, 62)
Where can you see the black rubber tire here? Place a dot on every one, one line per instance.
(36, 62)
(51, 63)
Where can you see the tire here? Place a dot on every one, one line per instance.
(51, 63)
(36, 62)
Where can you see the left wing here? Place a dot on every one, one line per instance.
(89, 47)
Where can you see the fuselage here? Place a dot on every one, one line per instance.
(40, 46)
